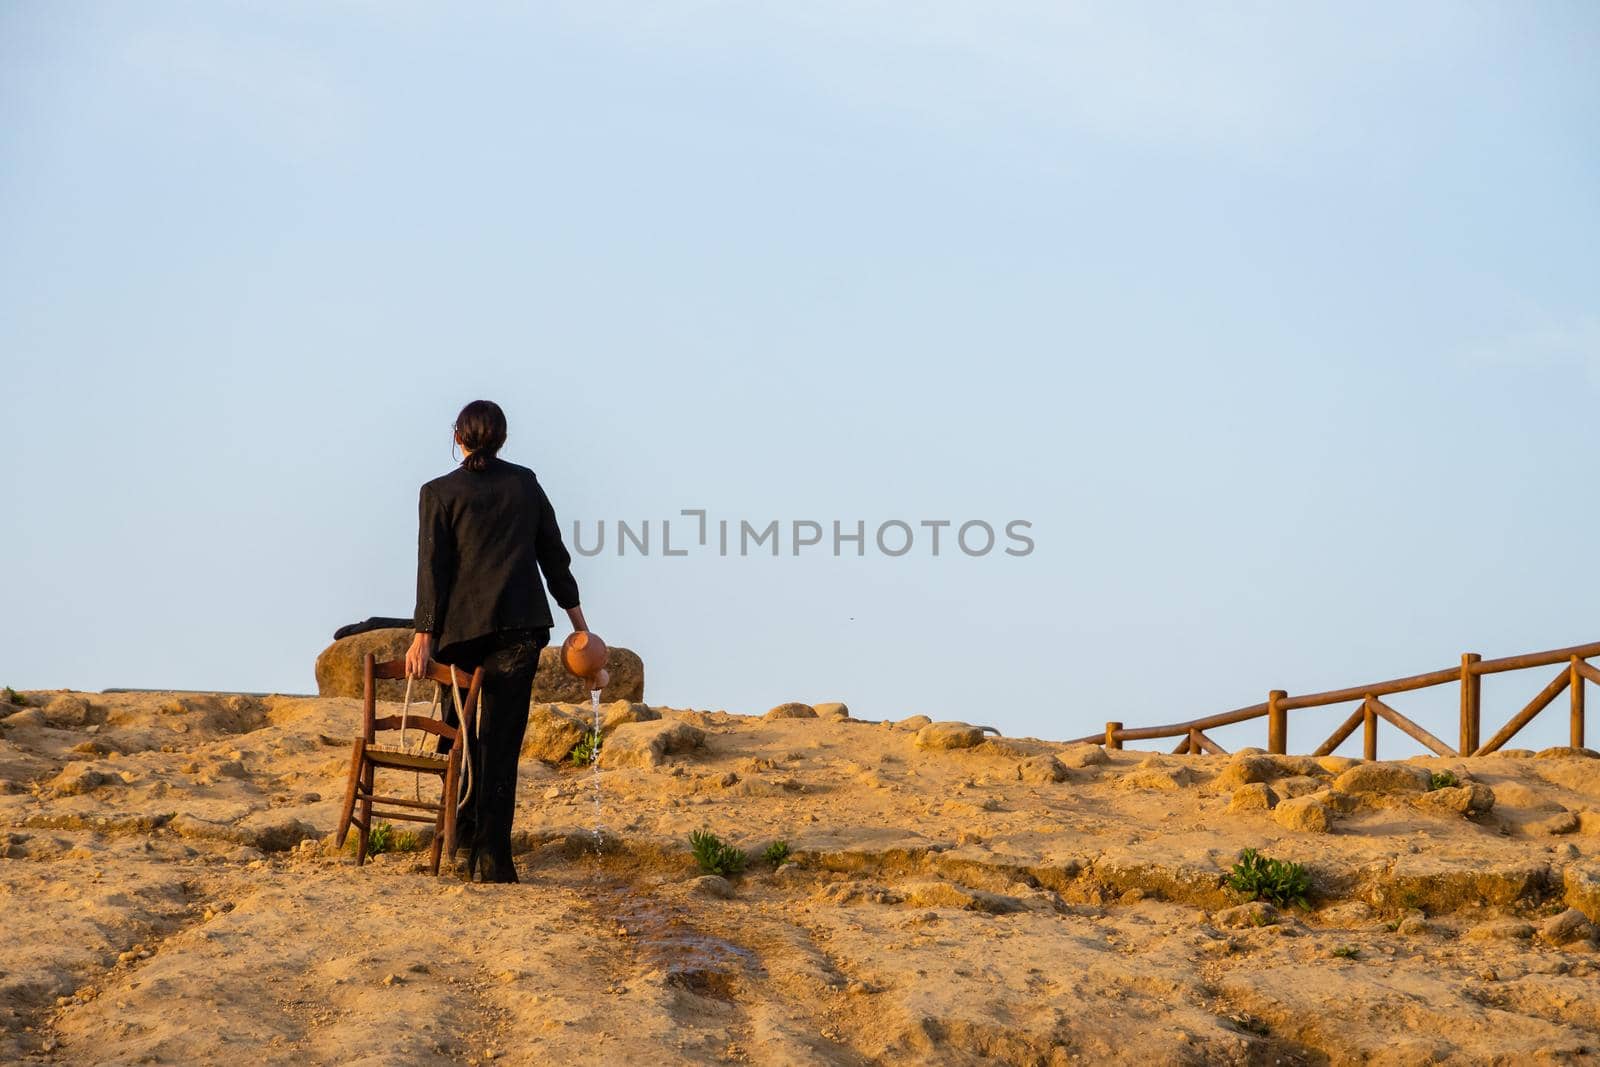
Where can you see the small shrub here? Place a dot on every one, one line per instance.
(714, 855)
(1346, 952)
(1442, 780)
(380, 838)
(776, 853)
(1278, 882)
(586, 751)
(14, 697)
(385, 838)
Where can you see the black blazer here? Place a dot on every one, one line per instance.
(482, 539)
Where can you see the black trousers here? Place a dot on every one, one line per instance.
(509, 659)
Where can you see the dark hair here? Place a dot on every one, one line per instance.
(481, 428)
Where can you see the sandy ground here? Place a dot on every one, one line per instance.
(172, 898)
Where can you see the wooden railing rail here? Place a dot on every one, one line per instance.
(1469, 675)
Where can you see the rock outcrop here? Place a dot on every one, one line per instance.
(1383, 778)
(791, 710)
(647, 744)
(339, 671)
(554, 729)
(948, 735)
(1306, 814)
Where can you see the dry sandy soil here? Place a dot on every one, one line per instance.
(952, 897)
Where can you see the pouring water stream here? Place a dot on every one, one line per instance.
(594, 764)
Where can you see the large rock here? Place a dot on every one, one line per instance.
(647, 744)
(67, 710)
(1248, 768)
(339, 671)
(1041, 770)
(1383, 778)
(1306, 814)
(1148, 776)
(1571, 925)
(555, 729)
(792, 710)
(1474, 798)
(1083, 756)
(1244, 770)
(1256, 796)
(948, 735)
(25, 717)
(78, 777)
(1562, 822)
(553, 732)
(1581, 883)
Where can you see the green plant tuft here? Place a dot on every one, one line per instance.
(1278, 882)
(776, 853)
(1346, 952)
(1442, 780)
(714, 855)
(385, 838)
(586, 751)
(14, 697)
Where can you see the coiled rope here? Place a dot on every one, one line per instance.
(465, 733)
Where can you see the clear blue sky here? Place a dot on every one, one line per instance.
(1280, 324)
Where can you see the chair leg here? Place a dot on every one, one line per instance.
(366, 813)
(438, 824)
(448, 800)
(358, 750)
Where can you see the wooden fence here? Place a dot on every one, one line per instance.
(1575, 670)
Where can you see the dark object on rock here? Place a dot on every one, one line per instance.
(377, 622)
(339, 671)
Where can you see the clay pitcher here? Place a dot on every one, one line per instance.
(584, 654)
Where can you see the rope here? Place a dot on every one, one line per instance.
(464, 733)
(436, 711)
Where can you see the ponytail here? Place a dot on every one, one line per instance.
(481, 429)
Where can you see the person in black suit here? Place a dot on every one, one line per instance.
(486, 532)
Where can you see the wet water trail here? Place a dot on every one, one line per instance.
(667, 944)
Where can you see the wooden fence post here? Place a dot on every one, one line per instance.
(1112, 740)
(1277, 723)
(1471, 699)
(1576, 685)
(1369, 733)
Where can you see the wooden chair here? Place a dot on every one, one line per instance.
(367, 756)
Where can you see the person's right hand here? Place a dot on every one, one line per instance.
(419, 655)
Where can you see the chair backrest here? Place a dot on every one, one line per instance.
(440, 673)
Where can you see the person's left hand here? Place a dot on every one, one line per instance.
(419, 655)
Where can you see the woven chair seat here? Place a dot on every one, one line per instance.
(386, 756)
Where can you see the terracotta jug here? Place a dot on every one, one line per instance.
(584, 654)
